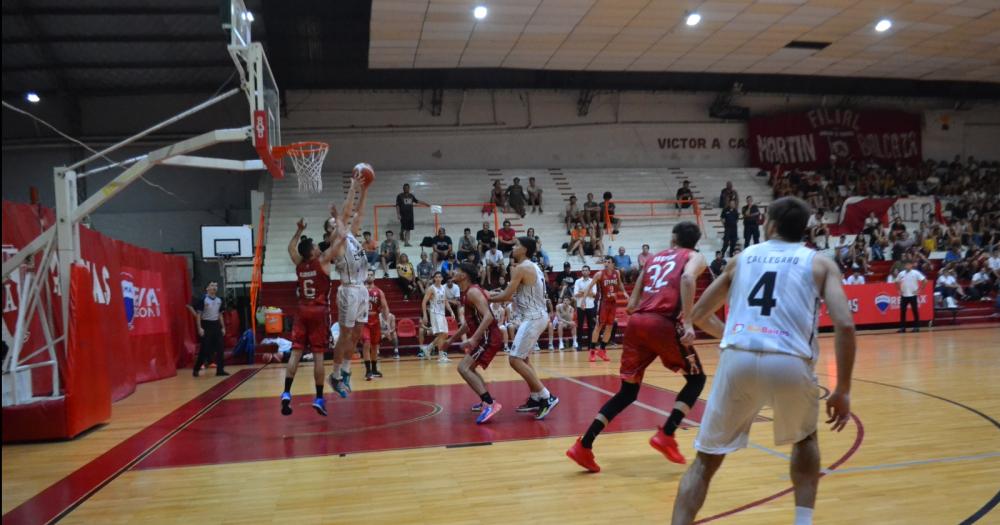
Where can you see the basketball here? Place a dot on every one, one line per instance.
(364, 172)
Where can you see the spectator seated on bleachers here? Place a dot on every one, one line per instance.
(506, 238)
(467, 247)
(684, 193)
(484, 238)
(573, 215)
(388, 253)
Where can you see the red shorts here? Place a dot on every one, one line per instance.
(311, 330)
(372, 332)
(491, 344)
(648, 336)
(606, 316)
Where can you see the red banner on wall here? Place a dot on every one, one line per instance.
(807, 140)
(144, 338)
(878, 303)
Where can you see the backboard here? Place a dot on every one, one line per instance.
(226, 242)
(258, 84)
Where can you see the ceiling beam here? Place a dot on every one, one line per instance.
(118, 39)
(179, 64)
(150, 9)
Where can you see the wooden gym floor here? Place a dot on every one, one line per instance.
(924, 448)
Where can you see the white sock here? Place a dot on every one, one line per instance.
(345, 367)
(544, 393)
(803, 516)
(533, 396)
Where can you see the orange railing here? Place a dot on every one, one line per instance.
(484, 207)
(256, 277)
(636, 209)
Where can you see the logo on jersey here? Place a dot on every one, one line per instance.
(882, 302)
(763, 330)
(738, 328)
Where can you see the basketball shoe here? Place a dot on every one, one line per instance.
(583, 456)
(667, 446)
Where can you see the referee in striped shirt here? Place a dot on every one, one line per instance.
(207, 310)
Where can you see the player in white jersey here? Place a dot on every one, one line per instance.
(527, 289)
(768, 352)
(434, 307)
(352, 296)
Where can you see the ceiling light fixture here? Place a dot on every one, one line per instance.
(693, 19)
(32, 97)
(883, 25)
(480, 12)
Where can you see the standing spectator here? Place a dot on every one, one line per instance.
(590, 210)
(684, 193)
(425, 270)
(564, 283)
(466, 247)
(909, 282)
(717, 266)
(751, 223)
(534, 196)
(817, 227)
(573, 214)
(728, 194)
(484, 238)
(607, 211)
(730, 220)
(207, 311)
(407, 276)
(902, 243)
(389, 253)
(404, 213)
(492, 267)
(442, 247)
(585, 311)
(497, 197)
(371, 249)
(516, 198)
(506, 238)
(644, 256)
(624, 264)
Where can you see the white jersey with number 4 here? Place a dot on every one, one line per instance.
(773, 301)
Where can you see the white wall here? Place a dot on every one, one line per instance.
(541, 129)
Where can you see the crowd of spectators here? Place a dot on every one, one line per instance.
(966, 232)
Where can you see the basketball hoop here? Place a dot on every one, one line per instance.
(307, 159)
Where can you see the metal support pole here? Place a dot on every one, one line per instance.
(67, 234)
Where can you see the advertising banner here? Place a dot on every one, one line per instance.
(807, 140)
(878, 303)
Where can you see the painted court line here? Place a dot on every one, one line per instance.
(661, 412)
(904, 464)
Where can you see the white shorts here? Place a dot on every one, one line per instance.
(352, 305)
(745, 382)
(527, 335)
(439, 325)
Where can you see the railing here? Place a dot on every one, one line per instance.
(449, 214)
(636, 209)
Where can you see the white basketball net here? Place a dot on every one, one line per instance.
(307, 159)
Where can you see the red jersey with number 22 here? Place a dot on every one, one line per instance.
(314, 283)
(661, 282)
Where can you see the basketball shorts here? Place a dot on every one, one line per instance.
(439, 324)
(352, 305)
(607, 314)
(372, 333)
(310, 328)
(491, 344)
(648, 336)
(527, 335)
(746, 381)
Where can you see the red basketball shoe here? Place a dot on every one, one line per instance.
(583, 456)
(667, 446)
(593, 356)
(603, 354)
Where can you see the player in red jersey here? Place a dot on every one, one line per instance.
(660, 308)
(608, 283)
(312, 322)
(484, 341)
(372, 332)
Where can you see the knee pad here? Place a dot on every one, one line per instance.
(695, 383)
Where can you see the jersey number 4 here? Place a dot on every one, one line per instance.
(762, 294)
